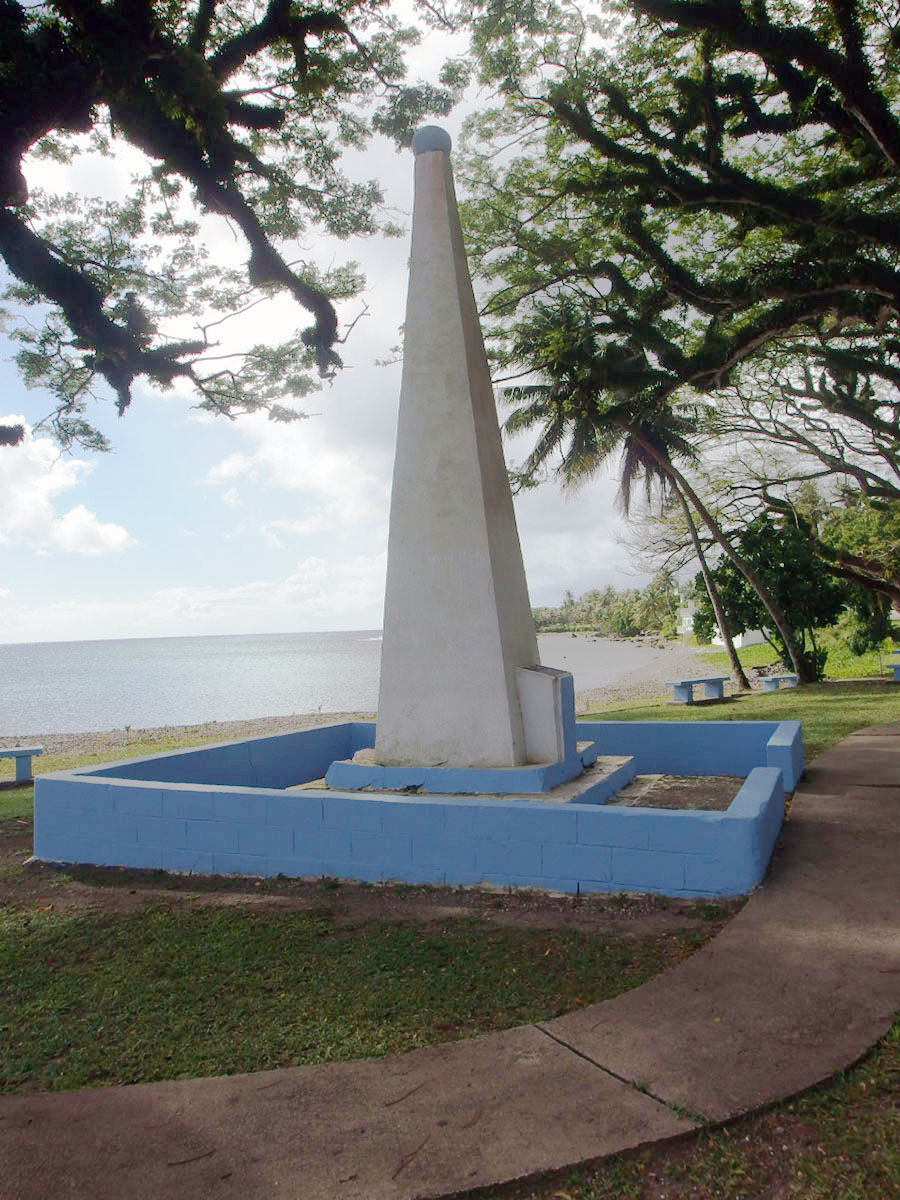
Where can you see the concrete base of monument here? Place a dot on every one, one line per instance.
(598, 779)
(234, 808)
(361, 773)
(547, 704)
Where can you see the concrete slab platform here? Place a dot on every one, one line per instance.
(457, 1116)
(603, 777)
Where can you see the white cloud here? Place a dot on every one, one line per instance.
(572, 540)
(81, 532)
(333, 488)
(318, 523)
(331, 594)
(32, 476)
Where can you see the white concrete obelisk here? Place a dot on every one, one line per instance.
(457, 619)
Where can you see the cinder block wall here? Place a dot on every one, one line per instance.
(117, 815)
(703, 747)
(277, 761)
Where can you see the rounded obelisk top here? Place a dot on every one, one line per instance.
(431, 137)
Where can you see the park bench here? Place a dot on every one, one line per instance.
(895, 665)
(771, 683)
(683, 689)
(22, 755)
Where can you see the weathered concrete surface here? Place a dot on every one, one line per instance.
(457, 619)
(867, 756)
(423, 1124)
(798, 986)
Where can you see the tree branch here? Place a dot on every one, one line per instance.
(278, 24)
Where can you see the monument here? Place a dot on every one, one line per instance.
(461, 681)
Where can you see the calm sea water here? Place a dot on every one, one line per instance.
(74, 687)
(71, 687)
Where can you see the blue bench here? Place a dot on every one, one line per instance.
(22, 755)
(895, 665)
(771, 683)
(713, 688)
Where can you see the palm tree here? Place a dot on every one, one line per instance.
(639, 468)
(712, 591)
(585, 420)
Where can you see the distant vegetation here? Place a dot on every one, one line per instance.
(653, 609)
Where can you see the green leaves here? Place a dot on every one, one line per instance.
(732, 189)
(696, 200)
(783, 555)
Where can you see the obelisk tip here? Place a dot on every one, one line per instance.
(431, 137)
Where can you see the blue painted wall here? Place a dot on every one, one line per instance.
(277, 761)
(703, 747)
(188, 811)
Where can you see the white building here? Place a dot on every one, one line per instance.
(751, 637)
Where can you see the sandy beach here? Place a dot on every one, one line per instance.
(637, 667)
(628, 669)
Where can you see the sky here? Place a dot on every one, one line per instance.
(200, 525)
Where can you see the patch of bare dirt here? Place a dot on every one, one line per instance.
(119, 891)
(711, 792)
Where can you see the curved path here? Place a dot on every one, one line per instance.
(799, 985)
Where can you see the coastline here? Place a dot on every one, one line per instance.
(140, 741)
(607, 669)
(582, 654)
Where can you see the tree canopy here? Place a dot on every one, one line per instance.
(239, 109)
(710, 187)
(711, 179)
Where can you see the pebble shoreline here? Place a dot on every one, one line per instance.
(216, 731)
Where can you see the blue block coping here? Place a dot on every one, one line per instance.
(537, 778)
(703, 747)
(224, 809)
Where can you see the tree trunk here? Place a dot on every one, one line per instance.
(712, 591)
(802, 670)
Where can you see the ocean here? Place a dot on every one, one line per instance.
(74, 687)
(77, 687)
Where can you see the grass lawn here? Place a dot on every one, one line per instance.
(17, 801)
(167, 993)
(829, 711)
(840, 664)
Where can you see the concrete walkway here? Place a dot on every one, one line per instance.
(799, 985)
